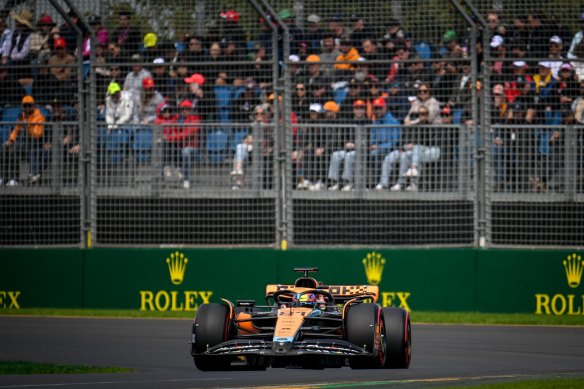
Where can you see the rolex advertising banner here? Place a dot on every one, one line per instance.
(529, 281)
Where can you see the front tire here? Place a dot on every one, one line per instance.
(398, 338)
(365, 328)
(210, 329)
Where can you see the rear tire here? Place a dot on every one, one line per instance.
(398, 338)
(211, 328)
(364, 328)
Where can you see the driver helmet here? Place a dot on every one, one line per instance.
(305, 300)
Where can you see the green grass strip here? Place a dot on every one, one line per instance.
(24, 367)
(417, 316)
(556, 383)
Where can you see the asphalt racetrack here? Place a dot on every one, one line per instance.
(158, 350)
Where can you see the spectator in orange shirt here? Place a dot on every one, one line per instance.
(36, 144)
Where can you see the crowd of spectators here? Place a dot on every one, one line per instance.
(344, 73)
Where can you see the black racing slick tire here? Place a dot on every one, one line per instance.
(398, 338)
(210, 329)
(364, 328)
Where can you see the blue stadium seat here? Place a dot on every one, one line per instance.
(223, 99)
(117, 144)
(142, 145)
(10, 116)
(217, 142)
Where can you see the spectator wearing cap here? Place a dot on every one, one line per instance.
(126, 36)
(358, 90)
(328, 55)
(360, 30)
(543, 91)
(294, 69)
(543, 109)
(149, 49)
(133, 83)
(342, 148)
(314, 33)
(394, 33)
(425, 99)
(318, 147)
(555, 55)
(61, 65)
(397, 70)
(568, 91)
(42, 40)
(295, 35)
(164, 83)
(343, 67)
(35, 143)
(102, 38)
(150, 99)
(182, 142)
(519, 83)
(502, 138)
(20, 44)
(319, 85)
(203, 101)
(397, 99)
(336, 28)
(233, 32)
(499, 68)
(119, 107)
(385, 135)
(453, 50)
(5, 40)
(69, 33)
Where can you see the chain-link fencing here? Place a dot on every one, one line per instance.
(251, 123)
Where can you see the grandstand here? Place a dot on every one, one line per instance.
(248, 123)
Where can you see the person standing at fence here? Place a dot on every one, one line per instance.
(347, 154)
(261, 117)
(62, 68)
(385, 137)
(544, 110)
(319, 85)
(42, 39)
(149, 100)
(35, 144)
(188, 132)
(134, 84)
(119, 107)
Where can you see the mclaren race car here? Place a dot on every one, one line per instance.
(308, 325)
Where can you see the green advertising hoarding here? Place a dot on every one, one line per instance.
(530, 281)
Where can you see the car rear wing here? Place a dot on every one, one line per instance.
(342, 293)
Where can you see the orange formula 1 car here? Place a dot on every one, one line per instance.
(307, 324)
